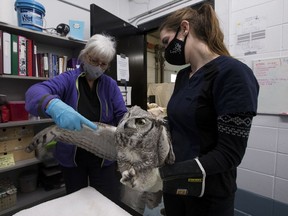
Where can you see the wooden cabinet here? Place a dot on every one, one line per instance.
(15, 87)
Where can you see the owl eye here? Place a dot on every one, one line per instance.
(140, 121)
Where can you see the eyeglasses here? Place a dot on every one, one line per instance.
(97, 62)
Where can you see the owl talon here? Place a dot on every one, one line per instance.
(128, 177)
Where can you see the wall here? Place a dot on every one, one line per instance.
(141, 11)
(264, 171)
(264, 168)
(61, 11)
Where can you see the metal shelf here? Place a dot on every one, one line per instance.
(23, 77)
(27, 200)
(20, 164)
(42, 37)
(24, 123)
(15, 87)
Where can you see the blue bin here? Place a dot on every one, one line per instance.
(30, 14)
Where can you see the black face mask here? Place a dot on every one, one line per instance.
(174, 53)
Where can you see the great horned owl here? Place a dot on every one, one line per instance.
(143, 144)
(140, 144)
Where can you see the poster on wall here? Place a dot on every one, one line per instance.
(272, 76)
(250, 35)
(122, 67)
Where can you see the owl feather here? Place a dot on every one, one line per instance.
(140, 144)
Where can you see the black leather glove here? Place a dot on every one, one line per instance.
(184, 178)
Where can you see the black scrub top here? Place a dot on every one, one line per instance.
(222, 86)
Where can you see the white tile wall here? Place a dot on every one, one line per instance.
(272, 45)
(259, 161)
(255, 182)
(283, 122)
(223, 8)
(283, 141)
(281, 190)
(239, 5)
(285, 14)
(264, 169)
(249, 17)
(281, 166)
(270, 11)
(265, 121)
(263, 138)
(285, 36)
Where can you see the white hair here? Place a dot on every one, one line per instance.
(99, 45)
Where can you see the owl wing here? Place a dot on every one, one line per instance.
(100, 142)
(165, 149)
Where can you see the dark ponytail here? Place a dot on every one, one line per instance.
(210, 30)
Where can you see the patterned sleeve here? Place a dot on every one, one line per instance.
(233, 133)
(235, 124)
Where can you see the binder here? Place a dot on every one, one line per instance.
(6, 53)
(35, 71)
(1, 52)
(55, 65)
(65, 59)
(50, 65)
(29, 56)
(45, 65)
(22, 66)
(60, 64)
(40, 64)
(14, 54)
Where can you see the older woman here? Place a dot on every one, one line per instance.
(76, 98)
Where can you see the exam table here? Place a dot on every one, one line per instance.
(85, 202)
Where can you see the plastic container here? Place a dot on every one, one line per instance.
(17, 111)
(30, 14)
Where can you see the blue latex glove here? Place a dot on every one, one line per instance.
(66, 117)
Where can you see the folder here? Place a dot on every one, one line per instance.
(14, 54)
(6, 53)
(22, 66)
(29, 57)
(35, 62)
(1, 52)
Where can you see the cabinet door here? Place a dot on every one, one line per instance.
(132, 43)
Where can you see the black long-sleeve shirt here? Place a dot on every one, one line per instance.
(210, 117)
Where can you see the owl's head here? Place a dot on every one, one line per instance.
(138, 123)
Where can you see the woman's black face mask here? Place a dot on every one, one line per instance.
(174, 52)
